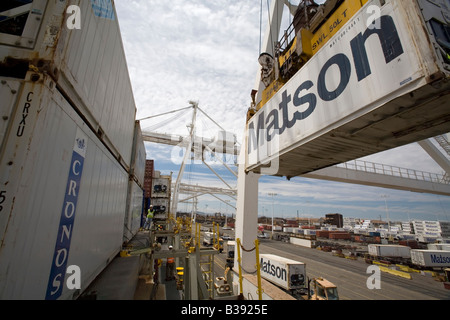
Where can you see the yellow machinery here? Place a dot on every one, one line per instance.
(324, 290)
(311, 29)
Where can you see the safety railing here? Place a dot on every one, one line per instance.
(388, 170)
(258, 269)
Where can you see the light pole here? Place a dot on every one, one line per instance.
(272, 195)
(387, 212)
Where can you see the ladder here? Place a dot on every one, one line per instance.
(208, 274)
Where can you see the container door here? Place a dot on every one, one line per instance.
(20, 21)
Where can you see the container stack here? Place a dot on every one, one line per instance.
(72, 158)
(161, 195)
(148, 177)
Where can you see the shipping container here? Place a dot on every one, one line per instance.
(64, 195)
(161, 187)
(134, 210)
(86, 60)
(431, 258)
(413, 244)
(161, 207)
(149, 172)
(340, 236)
(301, 242)
(139, 155)
(369, 89)
(438, 246)
(395, 251)
(286, 273)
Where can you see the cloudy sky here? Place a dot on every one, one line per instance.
(207, 51)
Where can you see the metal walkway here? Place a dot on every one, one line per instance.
(386, 176)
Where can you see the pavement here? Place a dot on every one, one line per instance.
(127, 278)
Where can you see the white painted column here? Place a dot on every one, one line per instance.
(246, 213)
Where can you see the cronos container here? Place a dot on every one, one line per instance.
(78, 44)
(63, 196)
(286, 273)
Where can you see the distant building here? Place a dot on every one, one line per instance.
(335, 219)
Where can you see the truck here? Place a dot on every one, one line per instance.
(389, 251)
(350, 79)
(212, 239)
(288, 274)
(323, 290)
(430, 258)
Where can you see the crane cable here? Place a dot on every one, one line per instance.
(270, 27)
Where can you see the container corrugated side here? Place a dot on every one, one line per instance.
(37, 174)
(93, 69)
(88, 64)
(430, 258)
(135, 201)
(362, 93)
(138, 161)
(389, 250)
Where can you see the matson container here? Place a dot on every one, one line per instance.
(379, 250)
(430, 258)
(63, 196)
(286, 273)
(86, 60)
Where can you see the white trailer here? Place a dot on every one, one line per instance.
(286, 273)
(389, 251)
(430, 258)
(370, 88)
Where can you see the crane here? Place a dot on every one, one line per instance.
(348, 79)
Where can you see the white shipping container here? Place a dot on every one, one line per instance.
(88, 63)
(364, 86)
(301, 242)
(438, 246)
(286, 273)
(160, 205)
(426, 239)
(160, 187)
(430, 258)
(133, 217)
(397, 251)
(63, 197)
(139, 156)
